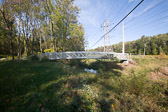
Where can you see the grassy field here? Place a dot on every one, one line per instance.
(64, 86)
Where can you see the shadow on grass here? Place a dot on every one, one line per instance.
(105, 65)
(21, 82)
(98, 65)
(50, 86)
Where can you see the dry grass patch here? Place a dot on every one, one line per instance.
(161, 74)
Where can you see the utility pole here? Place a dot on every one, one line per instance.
(106, 29)
(123, 48)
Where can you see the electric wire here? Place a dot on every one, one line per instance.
(117, 5)
(147, 11)
(111, 8)
(119, 11)
(114, 7)
(151, 16)
(147, 28)
(118, 22)
(133, 28)
(125, 8)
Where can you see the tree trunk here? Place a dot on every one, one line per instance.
(26, 40)
(32, 38)
(19, 51)
(24, 36)
(19, 48)
(12, 48)
(53, 40)
(40, 44)
(10, 26)
(32, 41)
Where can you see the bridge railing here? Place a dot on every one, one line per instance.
(86, 55)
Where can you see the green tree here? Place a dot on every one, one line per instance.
(154, 49)
(160, 50)
(7, 14)
(154, 45)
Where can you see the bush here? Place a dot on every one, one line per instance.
(77, 63)
(87, 99)
(3, 56)
(162, 55)
(49, 50)
(33, 58)
(44, 59)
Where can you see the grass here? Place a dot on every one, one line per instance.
(64, 86)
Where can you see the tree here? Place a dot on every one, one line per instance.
(160, 50)
(36, 25)
(67, 30)
(154, 49)
(6, 11)
(154, 45)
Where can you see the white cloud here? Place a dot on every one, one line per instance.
(145, 10)
(82, 3)
(150, 6)
(89, 15)
(89, 18)
(100, 5)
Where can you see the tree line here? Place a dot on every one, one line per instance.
(34, 26)
(153, 45)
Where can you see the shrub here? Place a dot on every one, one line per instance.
(135, 83)
(77, 63)
(162, 55)
(49, 50)
(44, 59)
(33, 58)
(3, 56)
(87, 98)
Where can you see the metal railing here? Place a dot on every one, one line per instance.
(85, 55)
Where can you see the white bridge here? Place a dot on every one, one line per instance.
(86, 55)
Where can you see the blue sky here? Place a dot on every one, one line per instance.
(150, 18)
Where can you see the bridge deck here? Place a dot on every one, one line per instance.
(86, 55)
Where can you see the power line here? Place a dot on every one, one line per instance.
(158, 28)
(149, 25)
(125, 8)
(155, 29)
(114, 5)
(147, 28)
(118, 3)
(104, 8)
(147, 17)
(111, 7)
(133, 28)
(97, 32)
(148, 11)
(120, 10)
(118, 22)
(116, 40)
